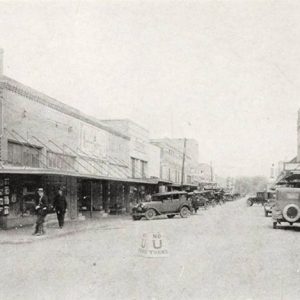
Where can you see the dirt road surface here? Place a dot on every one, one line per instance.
(226, 252)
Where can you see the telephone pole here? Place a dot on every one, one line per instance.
(183, 162)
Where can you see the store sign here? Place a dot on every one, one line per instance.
(93, 141)
(153, 245)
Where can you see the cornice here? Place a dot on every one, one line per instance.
(33, 95)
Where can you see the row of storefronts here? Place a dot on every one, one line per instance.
(85, 196)
(104, 166)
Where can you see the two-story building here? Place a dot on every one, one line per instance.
(178, 159)
(144, 157)
(45, 143)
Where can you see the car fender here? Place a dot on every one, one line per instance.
(185, 205)
(151, 207)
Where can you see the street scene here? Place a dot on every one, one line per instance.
(228, 245)
(149, 149)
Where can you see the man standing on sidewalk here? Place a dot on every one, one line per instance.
(41, 211)
(60, 205)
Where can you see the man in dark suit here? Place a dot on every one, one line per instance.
(60, 205)
(41, 211)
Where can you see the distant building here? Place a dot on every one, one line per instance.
(172, 156)
(144, 157)
(202, 173)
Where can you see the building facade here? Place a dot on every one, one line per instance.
(45, 143)
(201, 173)
(177, 156)
(144, 157)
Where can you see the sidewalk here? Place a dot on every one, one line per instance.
(24, 235)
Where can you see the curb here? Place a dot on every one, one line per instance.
(33, 239)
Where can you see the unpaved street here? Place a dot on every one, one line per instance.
(227, 252)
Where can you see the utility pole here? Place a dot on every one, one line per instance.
(183, 162)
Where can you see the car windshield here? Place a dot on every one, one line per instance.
(161, 198)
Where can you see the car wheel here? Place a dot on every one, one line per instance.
(150, 214)
(249, 202)
(291, 213)
(184, 212)
(170, 216)
(135, 218)
(266, 213)
(275, 225)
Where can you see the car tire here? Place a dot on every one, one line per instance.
(184, 212)
(266, 213)
(136, 218)
(291, 213)
(249, 202)
(274, 225)
(170, 216)
(150, 214)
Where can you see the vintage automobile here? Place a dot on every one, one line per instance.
(258, 199)
(270, 198)
(287, 206)
(198, 200)
(236, 196)
(168, 203)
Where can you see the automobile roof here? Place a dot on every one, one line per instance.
(170, 193)
(288, 189)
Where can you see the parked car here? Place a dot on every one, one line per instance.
(270, 198)
(168, 203)
(236, 196)
(258, 199)
(286, 207)
(198, 200)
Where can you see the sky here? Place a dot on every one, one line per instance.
(225, 73)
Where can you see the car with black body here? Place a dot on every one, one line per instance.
(286, 208)
(198, 199)
(258, 199)
(167, 203)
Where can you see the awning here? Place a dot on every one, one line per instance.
(289, 177)
(40, 171)
(184, 185)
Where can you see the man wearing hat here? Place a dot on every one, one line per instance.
(60, 205)
(41, 211)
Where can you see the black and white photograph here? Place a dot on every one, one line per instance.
(149, 149)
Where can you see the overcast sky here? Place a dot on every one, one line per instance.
(223, 72)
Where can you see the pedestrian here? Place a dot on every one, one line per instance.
(41, 209)
(60, 206)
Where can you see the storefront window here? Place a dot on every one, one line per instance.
(23, 155)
